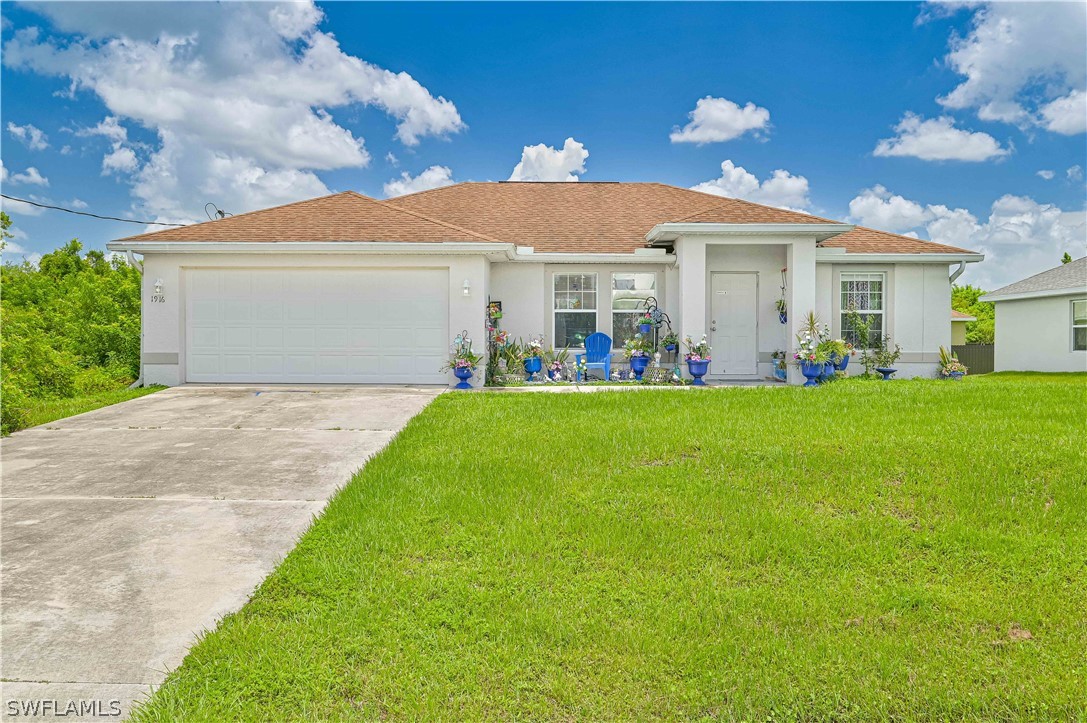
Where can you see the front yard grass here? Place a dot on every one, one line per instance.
(43, 411)
(904, 550)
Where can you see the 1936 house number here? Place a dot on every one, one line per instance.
(158, 298)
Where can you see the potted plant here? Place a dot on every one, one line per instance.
(532, 357)
(462, 360)
(556, 362)
(783, 310)
(637, 351)
(885, 358)
(950, 366)
(698, 360)
(780, 368)
(646, 323)
(670, 341)
(811, 357)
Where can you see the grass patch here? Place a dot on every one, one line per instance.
(42, 411)
(904, 550)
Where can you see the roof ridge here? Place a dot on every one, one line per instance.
(737, 200)
(1040, 273)
(439, 222)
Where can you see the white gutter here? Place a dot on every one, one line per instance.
(672, 231)
(139, 267)
(958, 272)
(1035, 294)
(307, 247)
(640, 256)
(840, 256)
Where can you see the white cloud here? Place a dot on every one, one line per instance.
(781, 189)
(391, 159)
(433, 177)
(719, 119)
(29, 177)
(31, 136)
(1047, 175)
(1075, 173)
(23, 209)
(3, 171)
(937, 139)
(879, 208)
(237, 88)
(1023, 64)
(65, 150)
(544, 163)
(77, 204)
(1020, 236)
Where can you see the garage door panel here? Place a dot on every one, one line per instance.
(316, 325)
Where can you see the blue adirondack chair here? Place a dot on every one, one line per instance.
(597, 354)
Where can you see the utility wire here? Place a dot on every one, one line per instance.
(85, 213)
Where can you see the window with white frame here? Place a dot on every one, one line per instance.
(1079, 325)
(628, 294)
(575, 309)
(863, 293)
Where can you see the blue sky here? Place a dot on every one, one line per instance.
(914, 118)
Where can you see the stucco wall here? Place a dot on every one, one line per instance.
(1036, 335)
(164, 322)
(958, 333)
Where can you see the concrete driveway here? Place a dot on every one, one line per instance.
(128, 530)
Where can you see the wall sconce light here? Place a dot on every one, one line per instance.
(467, 288)
(158, 286)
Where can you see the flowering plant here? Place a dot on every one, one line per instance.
(501, 337)
(637, 346)
(809, 350)
(949, 362)
(696, 352)
(646, 318)
(461, 355)
(670, 339)
(534, 347)
(556, 360)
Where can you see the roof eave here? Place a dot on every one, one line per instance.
(311, 247)
(667, 232)
(1041, 294)
(844, 256)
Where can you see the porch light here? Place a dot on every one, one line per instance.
(467, 288)
(158, 286)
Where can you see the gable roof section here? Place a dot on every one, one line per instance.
(1070, 277)
(582, 217)
(347, 216)
(957, 315)
(863, 240)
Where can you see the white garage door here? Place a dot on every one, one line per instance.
(376, 326)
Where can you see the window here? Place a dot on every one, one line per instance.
(864, 293)
(575, 309)
(1079, 325)
(628, 292)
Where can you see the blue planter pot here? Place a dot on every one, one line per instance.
(783, 317)
(532, 365)
(645, 328)
(886, 372)
(842, 363)
(828, 372)
(697, 370)
(464, 374)
(957, 376)
(669, 347)
(811, 372)
(780, 374)
(638, 365)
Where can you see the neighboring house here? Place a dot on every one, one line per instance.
(347, 289)
(959, 321)
(1041, 321)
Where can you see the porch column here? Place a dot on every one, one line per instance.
(800, 257)
(691, 259)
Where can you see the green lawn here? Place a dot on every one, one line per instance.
(869, 550)
(42, 411)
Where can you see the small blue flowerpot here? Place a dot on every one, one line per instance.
(645, 328)
(811, 372)
(886, 372)
(532, 365)
(957, 376)
(638, 365)
(783, 317)
(669, 347)
(697, 370)
(464, 374)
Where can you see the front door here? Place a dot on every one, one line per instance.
(734, 324)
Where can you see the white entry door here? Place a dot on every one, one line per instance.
(333, 325)
(734, 324)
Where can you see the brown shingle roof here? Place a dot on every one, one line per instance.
(957, 315)
(347, 216)
(863, 240)
(582, 217)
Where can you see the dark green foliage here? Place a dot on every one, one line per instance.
(70, 326)
(965, 299)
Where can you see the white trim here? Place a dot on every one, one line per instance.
(595, 311)
(654, 256)
(841, 256)
(672, 231)
(308, 247)
(1072, 317)
(964, 318)
(1033, 294)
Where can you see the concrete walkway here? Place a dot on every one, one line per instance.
(128, 530)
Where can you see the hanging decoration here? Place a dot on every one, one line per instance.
(783, 309)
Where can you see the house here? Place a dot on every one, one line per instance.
(959, 320)
(1041, 321)
(348, 289)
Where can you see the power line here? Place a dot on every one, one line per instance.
(85, 213)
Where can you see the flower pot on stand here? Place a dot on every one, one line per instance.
(645, 328)
(886, 372)
(533, 365)
(638, 365)
(464, 374)
(811, 372)
(697, 370)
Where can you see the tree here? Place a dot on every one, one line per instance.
(1067, 258)
(965, 299)
(5, 234)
